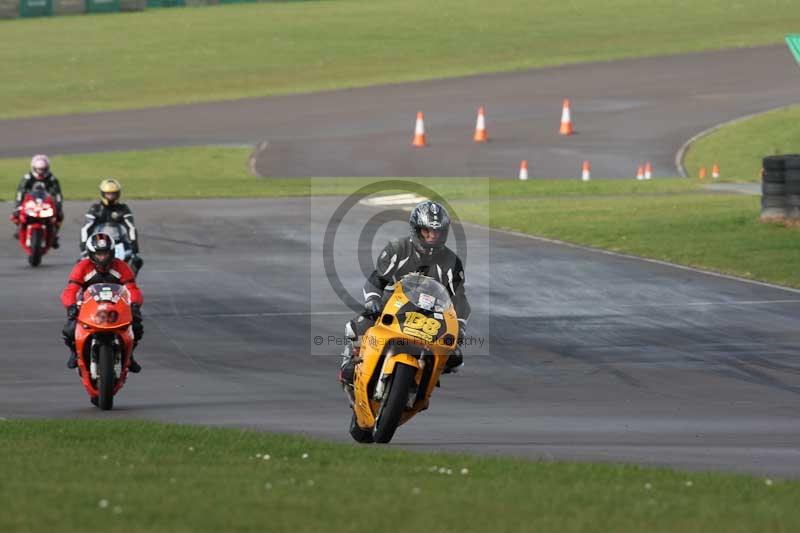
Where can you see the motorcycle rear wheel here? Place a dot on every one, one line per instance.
(35, 258)
(105, 379)
(393, 404)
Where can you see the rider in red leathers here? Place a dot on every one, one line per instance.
(100, 267)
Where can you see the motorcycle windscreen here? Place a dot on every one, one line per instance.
(38, 209)
(120, 236)
(116, 231)
(426, 293)
(106, 292)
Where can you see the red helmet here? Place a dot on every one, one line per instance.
(40, 167)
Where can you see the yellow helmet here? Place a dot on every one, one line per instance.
(110, 191)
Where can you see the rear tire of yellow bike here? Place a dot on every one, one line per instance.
(394, 403)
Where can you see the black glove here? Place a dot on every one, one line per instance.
(68, 332)
(372, 307)
(136, 263)
(72, 312)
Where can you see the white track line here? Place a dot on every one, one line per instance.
(645, 259)
(681, 153)
(394, 199)
(253, 159)
(636, 258)
(702, 304)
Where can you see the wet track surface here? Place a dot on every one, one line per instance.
(587, 355)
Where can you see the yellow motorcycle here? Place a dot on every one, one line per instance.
(401, 358)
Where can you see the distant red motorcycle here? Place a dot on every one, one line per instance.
(104, 341)
(37, 222)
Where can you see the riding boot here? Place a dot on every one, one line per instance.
(349, 355)
(134, 366)
(349, 360)
(454, 362)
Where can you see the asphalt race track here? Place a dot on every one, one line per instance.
(625, 112)
(586, 355)
(589, 356)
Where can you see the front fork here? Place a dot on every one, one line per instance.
(387, 371)
(46, 235)
(93, 355)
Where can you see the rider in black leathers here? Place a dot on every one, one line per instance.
(424, 251)
(108, 209)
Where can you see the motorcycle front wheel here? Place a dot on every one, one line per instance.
(36, 248)
(394, 403)
(105, 378)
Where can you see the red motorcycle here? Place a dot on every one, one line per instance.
(104, 341)
(37, 222)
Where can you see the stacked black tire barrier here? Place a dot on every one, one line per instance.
(792, 172)
(773, 187)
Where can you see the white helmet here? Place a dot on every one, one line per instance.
(40, 166)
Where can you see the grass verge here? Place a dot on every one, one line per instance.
(137, 476)
(739, 147)
(221, 172)
(196, 172)
(175, 56)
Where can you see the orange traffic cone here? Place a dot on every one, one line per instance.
(640, 172)
(419, 132)
(702, 173)
(566, 119)
(523, 170)
(715, 171)
(648, 170)
(481, 136)
(586, 171)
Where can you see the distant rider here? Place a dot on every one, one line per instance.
(99, 267)
(40, 173)
(108, 209)
(424, 251)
